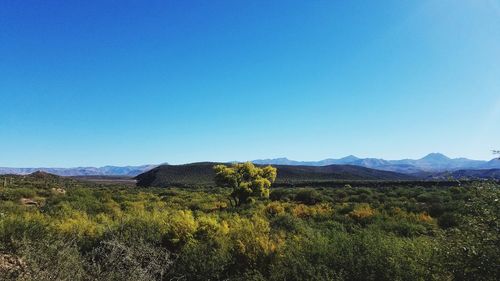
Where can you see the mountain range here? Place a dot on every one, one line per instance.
(130, 171)
(433, 162)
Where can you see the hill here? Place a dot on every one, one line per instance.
(469, 174)
(202, 174)
(37, 179)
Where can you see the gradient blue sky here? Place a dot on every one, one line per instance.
(134, 82)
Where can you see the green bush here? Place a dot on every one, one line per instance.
(309, 197)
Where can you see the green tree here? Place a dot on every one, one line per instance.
(246, 180)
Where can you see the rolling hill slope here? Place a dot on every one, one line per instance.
(491, 174)
(202, 174)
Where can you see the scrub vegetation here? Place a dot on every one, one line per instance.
(54, 228)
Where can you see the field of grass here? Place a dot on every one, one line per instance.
(55, 228)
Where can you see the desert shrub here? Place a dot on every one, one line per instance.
(210, 228)
(424, 218)
(10, 207)
(17, 193)
(181, 227)
(281, 195)
(274, 209)
(253, 243)
(78, 225)
(448, 220)
(340, 196)
(149, 226)
(135, 261)
(367, 255)
(207, 260)
(372, 255)
(309, 196)
(470, 251)
(250, 275)
(288, 223)
(16, 227)
(426, 198)
(362, 213)
(318, 212)
(51, 258)
(404, 228)
(304, 259)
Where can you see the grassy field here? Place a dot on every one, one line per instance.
(55, 228)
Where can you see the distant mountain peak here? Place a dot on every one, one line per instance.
(436, 157)
(282, 158)
(350, 158)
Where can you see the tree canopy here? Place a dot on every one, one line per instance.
(246, 180)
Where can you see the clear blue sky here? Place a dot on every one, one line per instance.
(134, 82)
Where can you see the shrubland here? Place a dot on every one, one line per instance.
(83, 231)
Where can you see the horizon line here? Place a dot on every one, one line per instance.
(231, 161)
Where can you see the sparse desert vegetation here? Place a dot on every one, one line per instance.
(54, 228)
